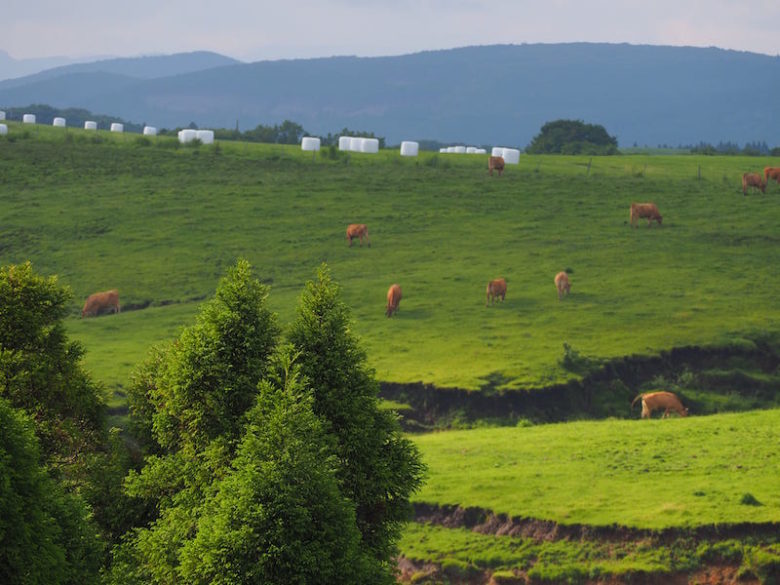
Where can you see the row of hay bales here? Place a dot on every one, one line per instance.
(462, 150)
(185, 136)
(408, 147)
(60, 122)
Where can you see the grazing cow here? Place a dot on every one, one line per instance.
(101, 302)
(495, 288)
(771, 173)
(358, 230)
(753, 181)
(562, 284)
(658, 400)
(393, 299)
(648, 211)
(497, 163)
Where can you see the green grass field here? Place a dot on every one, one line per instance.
(640, 473)
(162, 223)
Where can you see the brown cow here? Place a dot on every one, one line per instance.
(393, 299)
(753, 181)
(648, 211)
(771, 173)
(101, 302)
(495, 288)
(562, 284)
(357, 230)
(656, 400)
(497, 163)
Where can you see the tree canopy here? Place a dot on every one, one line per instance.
(572, 137)
(267, 462)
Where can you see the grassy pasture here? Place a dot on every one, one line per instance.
(162, 223)
(678, 472)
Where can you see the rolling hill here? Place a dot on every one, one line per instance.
(647, 95)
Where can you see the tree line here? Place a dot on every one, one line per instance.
(250, 457)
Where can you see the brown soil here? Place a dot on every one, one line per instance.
(421, 573)
(486, 522)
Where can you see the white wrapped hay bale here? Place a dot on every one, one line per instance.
(511, 156)
(2, 115)
(3, 129)
(480, 151)
(409, 148)
(310, 143)
(370, 145)
(355, 143)
(497, 151)
(205, 136)
(90, 125)
(187, 136)
(451, 150)
(58, 122)
(344, 142)
(460, 150)
(150, 131)
(471, 150)
(28, 119)
(442, 150)
(117, 127)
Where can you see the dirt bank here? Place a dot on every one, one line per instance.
(606, 391)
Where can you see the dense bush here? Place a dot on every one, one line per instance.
(572, 137)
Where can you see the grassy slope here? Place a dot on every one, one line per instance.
(649, 474)
(161, 224)
(462, 554)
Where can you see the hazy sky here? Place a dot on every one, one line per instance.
(253, 30)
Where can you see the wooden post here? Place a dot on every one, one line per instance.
(590, 161)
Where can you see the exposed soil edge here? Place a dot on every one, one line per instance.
(487, 522)
(430, 405)
(416, 571)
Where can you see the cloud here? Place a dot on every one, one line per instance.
(265, 29)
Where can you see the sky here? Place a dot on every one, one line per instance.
(254, 30)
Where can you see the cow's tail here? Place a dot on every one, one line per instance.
(638, 397)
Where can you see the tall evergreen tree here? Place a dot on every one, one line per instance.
(378, 467)
(41, 371)
(192, 397)
(278, 516)
(45, 532)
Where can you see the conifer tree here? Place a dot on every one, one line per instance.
(378, 467)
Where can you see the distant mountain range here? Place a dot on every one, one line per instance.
(499, 94)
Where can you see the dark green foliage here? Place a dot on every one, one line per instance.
(287, 132)
(45, 534)
(113, 510)
(40, 370)
(749, 499)
(379, 469)
(572, 137)
(197, 388)
(278, 516)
